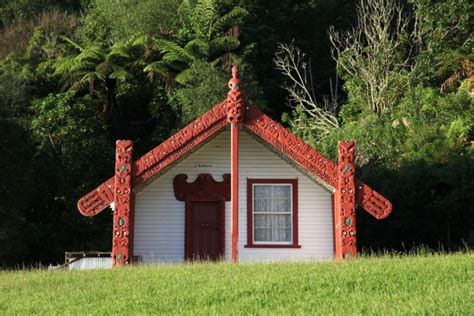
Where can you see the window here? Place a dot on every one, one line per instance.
(272, 213)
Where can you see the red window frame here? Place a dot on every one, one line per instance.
(250, 183)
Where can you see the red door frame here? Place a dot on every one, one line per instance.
(203, 189)
(188, 227)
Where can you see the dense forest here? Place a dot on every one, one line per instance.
(76, 75)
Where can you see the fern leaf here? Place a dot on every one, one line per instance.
(119, 73)
(229, 19)
(160, 67)
(173, 52)
(103, 69)
(197, 47)
(184, 76)
(223, 43)
(63, 66)
(72, 43)
(117, 52)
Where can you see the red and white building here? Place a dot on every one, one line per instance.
(233, 184)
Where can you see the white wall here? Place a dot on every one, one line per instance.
(315, 225)
(159, 217)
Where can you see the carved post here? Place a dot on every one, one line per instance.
(235, 115)
(345, 203)
(122, 240)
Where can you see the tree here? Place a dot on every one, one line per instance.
(16, 190)
(371, 57)
(447, 42)
(206, 34)
(72, 154)
(311, 119)
(98, 66)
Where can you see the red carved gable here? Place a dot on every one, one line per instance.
(150, 165)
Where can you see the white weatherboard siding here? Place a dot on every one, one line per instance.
(159, 217)
(314, 206)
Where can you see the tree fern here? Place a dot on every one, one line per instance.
(223, 44)
(184, 76)
(197, 47)
(206, 37)
(205, 15)
(160, 67)
(173, 52)
(229, 19)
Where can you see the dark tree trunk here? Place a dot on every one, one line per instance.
(114, 116)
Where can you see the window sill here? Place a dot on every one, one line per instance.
(271, 246)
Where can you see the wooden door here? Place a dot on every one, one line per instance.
(204, 231)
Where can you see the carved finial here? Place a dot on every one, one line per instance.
(235, 107)
(235, 72)
(234, 83)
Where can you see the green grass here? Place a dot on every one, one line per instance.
(437, 284)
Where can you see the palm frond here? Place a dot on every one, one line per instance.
(140, 40)
(94, 53)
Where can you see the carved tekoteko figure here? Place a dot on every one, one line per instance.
(235, 104)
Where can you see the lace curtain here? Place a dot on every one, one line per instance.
(272, 213)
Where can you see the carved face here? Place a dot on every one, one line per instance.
(346, 150)
(235, 113)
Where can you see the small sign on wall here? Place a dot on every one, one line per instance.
(204, 165)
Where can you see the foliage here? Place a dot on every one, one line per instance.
(420, 284)
(207, 87)
(371, 58)
(72, 148)
(206, 34)
(16, 37)
(15, 86)
(62, 123)
(14, 195)
(447, 41)
(110, 22)
(310, 119)
(15, 10)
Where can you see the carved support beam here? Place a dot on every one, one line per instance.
(345, 238)
(122, 240)
(234, 152)
(235, 116)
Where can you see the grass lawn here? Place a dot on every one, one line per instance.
(438, 284)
